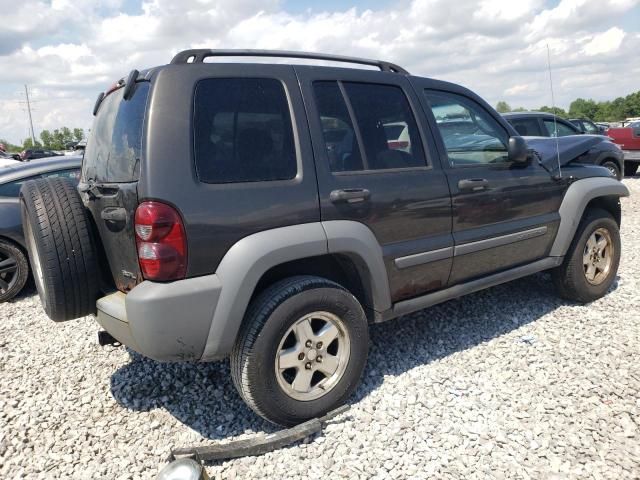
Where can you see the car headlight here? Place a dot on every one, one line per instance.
(183, 469)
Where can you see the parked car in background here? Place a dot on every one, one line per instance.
(587, 126)
(271, 217)
(9, 156)
(32, 154)
(14, 267)
(542, 124)
(628, 139)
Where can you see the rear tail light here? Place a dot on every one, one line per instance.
(161, 242)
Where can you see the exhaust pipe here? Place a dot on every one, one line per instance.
(105, 338)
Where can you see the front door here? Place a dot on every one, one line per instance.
(375, 167)
(504, 214)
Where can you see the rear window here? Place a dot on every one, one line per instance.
(242, 130)
(114, 146)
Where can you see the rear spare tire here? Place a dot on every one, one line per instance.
(61, 246)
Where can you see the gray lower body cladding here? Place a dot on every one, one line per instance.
(163, 321)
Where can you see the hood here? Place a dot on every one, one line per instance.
(568, 148)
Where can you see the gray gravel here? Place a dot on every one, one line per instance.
(506, 383)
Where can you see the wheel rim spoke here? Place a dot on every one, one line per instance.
(591, 243)
(602, 244)
(591, 271)
(302, 382)
(303, 331)
(329, 364)
(4, 286)
(288, 358)
(327, 334)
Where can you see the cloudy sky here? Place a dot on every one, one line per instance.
(69, 50)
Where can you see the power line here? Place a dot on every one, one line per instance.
(33, 134)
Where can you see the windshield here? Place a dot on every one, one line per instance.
(114, 146)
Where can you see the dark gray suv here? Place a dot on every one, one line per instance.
(266, 213)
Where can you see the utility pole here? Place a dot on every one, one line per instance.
(33, 134)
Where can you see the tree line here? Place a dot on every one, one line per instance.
(57, 139)
(607, 111)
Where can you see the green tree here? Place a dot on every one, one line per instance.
(78, 134)
(555, 110)
(26, 144)
(10, 147)
(582, 108)
(46, 138)
(503, 107)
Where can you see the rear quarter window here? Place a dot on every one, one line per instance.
(243, 131)
(115, 144)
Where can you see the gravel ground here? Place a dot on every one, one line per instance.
(506, 383)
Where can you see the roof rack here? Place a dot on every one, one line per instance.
(198, 56)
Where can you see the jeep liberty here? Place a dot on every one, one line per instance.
(269, 213)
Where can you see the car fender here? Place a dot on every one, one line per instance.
(575, 200)
(248, 259)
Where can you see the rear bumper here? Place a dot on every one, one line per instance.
(163, 321)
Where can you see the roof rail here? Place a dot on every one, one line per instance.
(198, 56)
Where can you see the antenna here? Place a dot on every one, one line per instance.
(553, 107)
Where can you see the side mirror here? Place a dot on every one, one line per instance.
(517, 151)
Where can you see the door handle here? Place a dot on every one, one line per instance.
(473, 184)
(350, 195)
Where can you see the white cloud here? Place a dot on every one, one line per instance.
(605, 42)
(67, 50)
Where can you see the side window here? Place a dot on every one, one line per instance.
(590, 128)
(387, 127)
(339, 135)
(527, 127)
(72, 173)
(559, 129)
(386, 136)
(470, 134)
(243, 131)
(12, 189)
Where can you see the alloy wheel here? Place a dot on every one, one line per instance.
(597, 257)
(312, 356)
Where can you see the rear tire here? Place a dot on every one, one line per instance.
(293, 317)
(630, 169)
(613, 168)
(61, 248)
(586, 274)
(14, 270)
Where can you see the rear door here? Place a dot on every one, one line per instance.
(504, 215)
(375, 166)
(110, 173)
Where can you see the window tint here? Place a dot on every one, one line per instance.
(526, 127)
(339, 135)
(12, 189)
(590, 128)
(377, 107)
(114, 146)
(242, 130)
(563, 129)
(73, 174)
(471, 135)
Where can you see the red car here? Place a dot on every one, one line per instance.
(628, 139)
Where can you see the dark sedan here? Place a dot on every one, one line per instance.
(14, 265)
(540, 124)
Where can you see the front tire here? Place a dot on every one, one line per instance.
(301, 351)
(613, 168)
(630, 169)
(591, 264)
